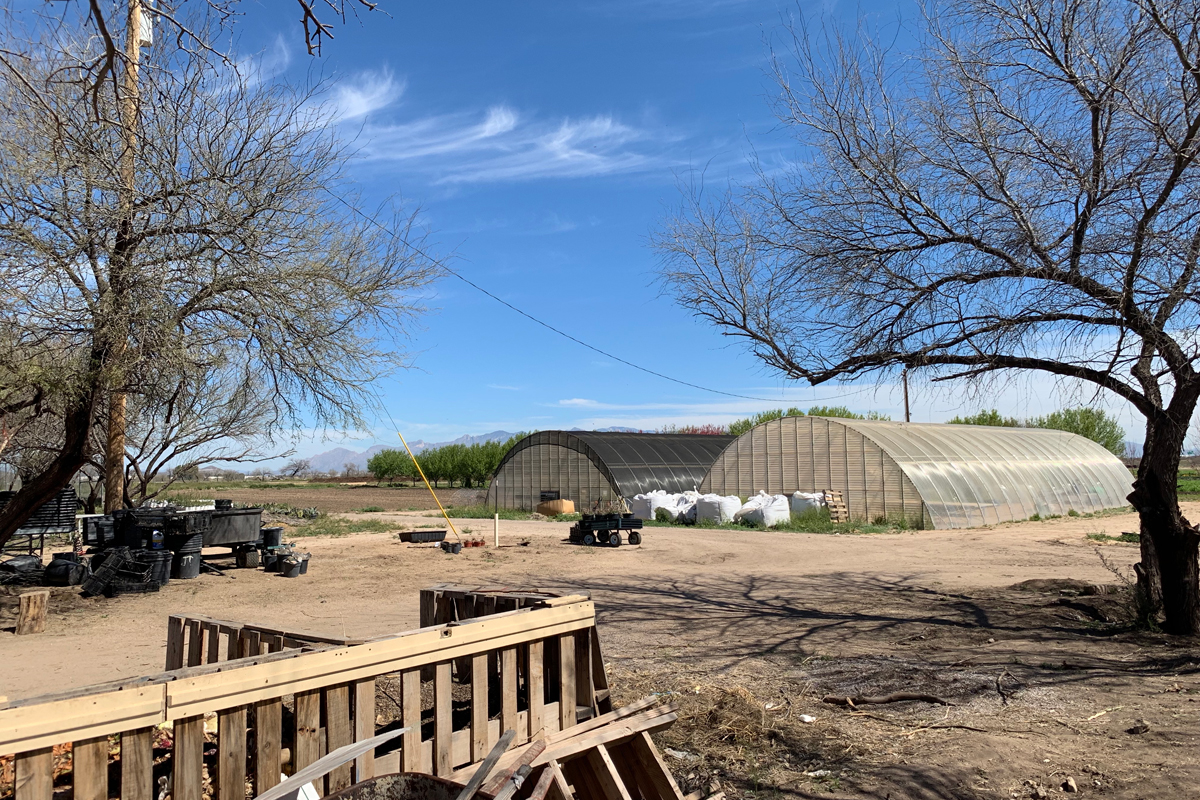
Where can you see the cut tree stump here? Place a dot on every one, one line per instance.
(31, 616)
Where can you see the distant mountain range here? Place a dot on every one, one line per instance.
(335, 460)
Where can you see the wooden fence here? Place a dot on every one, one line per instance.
(453, 602)
(193, 641)
(531, 670)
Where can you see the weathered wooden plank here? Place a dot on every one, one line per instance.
(410, 709)
(249, 643)
(480, 742)
(464, 609)
(308, 729)
(268, 738)
(566, 745)
(584, 695)
(508, 693)
(31, 612)
(559, 788)
(428, 607)
(606, 773)
(213, 691)
(137, 764)
(188, 759)
(534, 681)
(388, 763)
(37, 725)
(653, 768)
(443, 720)
(628, 769)
(195, 644)
(195, 690)
(89, 768)
(364, 726)
(213, 633)
(174, 642)
(566, 680)
(599, 676)
(231, 754)
(233, 648)
(34, 771)
(339, 732)
(582, 776)
(299, 635)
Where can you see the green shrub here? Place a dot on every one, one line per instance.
(481, 512)
(662, 515)
(1126, 538)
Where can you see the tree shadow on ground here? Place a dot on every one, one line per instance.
(726, 619)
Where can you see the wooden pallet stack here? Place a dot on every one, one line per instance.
(283, 700)
(836, 505)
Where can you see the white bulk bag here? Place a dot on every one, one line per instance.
(765, 509)
(804, 501)
(643, 506)
(685, 507)
(717, 509)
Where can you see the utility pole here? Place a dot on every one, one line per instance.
(137, 33)
(904, 380)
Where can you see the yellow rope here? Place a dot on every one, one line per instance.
(427, 486)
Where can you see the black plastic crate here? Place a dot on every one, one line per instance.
(120, 587)
(422, 536)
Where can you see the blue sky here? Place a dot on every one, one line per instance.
(544, 142)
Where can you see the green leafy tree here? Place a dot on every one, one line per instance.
(391, 464)
(740, 426)
(988, 416)
(1091, 423)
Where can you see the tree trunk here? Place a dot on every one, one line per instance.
(77, 423)
(114, 455)
(1170, 570)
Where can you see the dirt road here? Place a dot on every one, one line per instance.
(772, 622)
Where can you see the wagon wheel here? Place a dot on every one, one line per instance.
(589, 538)
(614, 539)
(635, 537)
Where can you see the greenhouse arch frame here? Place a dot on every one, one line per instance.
(929, 475)
(596, 469)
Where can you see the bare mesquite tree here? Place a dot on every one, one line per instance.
(220, 415)
(243, 251)
(112, 73)
(1018, 192)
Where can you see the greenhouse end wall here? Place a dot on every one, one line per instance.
(549, 467)
(814, 454)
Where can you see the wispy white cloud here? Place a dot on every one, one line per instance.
(266, 65)
(364, 93)
(504, 388)
(503, 144)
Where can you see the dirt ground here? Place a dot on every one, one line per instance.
(748, 632)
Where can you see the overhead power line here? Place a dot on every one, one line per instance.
(563, 333)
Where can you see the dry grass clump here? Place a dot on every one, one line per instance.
(730, 739)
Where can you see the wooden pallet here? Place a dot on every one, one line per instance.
(610, 757)
(837, 506)
(536, 666)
